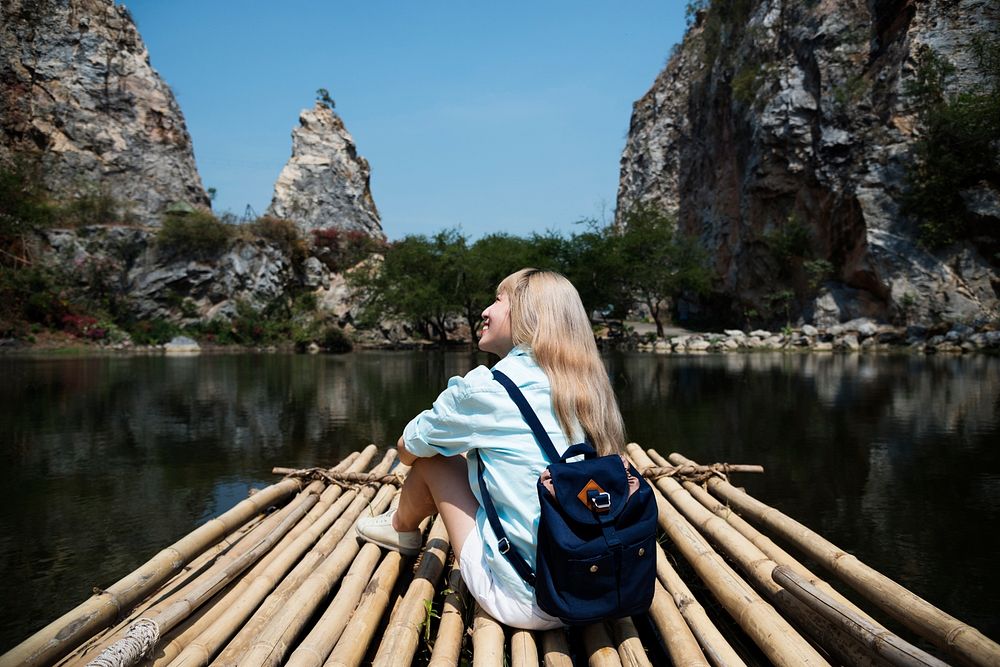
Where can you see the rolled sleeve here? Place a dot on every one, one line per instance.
(449, 425)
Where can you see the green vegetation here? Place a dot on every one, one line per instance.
(957, 147)
(425, 280)
(789, 249)
(323, 97)
(281, 233)
(850, 92)
(722, 21)
(789, 241)
(656, 264)
(197, 234)
(340, 249)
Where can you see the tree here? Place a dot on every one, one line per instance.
(659, 263)
(323, 97)
(488, 261)
(419, 280)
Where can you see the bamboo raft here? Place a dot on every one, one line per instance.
(281, 579)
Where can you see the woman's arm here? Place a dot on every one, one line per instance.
(405, 457)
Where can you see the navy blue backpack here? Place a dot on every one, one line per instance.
(596, 553)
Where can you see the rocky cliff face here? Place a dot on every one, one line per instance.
(78, 92)
(325, 184)
(781, 134)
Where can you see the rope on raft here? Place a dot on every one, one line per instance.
(684, 473)
(351, 480)
(699, 473)
(138, 641)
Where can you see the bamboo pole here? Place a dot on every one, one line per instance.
(759, 620)
(555, 649)
(192, 570)
(272, 643)
(762, 541)
(758, 568)
(331, 545)
(148, 629)
(451, 630)
(69, 630)
(221, 566)
(523, 652)
(630, 649)
(487, 640)
(314, 649)
(352, 646)
(599, 646)
(875, 637)
(202, 641)
(945, 631)
(678, 639)
(402, 635)
(712, 643)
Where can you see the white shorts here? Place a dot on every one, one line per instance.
(490, 595)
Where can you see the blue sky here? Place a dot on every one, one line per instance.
(484, 116)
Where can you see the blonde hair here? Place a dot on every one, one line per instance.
(546, 314)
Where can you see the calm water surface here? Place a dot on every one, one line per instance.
(105, 460)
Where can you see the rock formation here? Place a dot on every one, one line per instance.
(774, 117)
(156, 285)
(325, 184)
(77, 92)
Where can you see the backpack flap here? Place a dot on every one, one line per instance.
(591, 491)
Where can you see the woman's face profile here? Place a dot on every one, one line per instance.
(495, 335)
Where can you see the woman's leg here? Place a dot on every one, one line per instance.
(438, 484)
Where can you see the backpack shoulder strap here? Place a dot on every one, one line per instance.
(503, 544)
(529, 416)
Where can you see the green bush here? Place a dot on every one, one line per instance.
(195, 235)
(335, 340)
(957, 146)
(24, 204)
(30, 295)
(93, 206)
(152, 332)
(341, 249)
(281, 233)
(790, 240)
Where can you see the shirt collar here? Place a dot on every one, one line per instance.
(520, 351)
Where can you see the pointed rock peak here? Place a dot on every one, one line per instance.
(325, 184)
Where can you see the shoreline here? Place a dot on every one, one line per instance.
(861, 335)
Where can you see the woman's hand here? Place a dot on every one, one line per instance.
(405, 457)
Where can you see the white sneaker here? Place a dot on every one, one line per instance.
(378, 530)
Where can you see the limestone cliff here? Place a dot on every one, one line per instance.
(325, 183)
(781, 134)
(77, 91)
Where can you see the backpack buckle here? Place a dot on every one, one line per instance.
(504, 545)
(601, 502)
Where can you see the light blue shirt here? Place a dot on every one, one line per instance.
(475, 414)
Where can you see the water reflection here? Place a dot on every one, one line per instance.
(106, 460)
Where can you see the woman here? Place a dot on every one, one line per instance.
(539, 328)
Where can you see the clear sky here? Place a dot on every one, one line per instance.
(484, 116)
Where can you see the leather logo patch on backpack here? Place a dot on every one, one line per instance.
(587, 494)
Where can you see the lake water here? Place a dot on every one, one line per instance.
(105, 460)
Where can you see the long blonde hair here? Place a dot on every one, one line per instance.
(546, 314)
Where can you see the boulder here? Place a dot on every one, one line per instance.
(182, 345)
